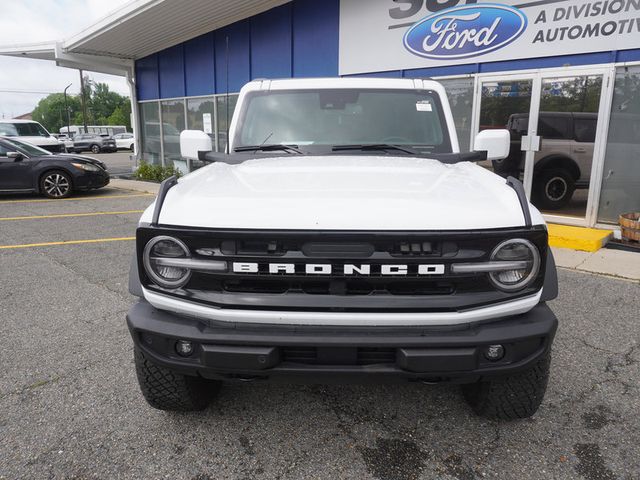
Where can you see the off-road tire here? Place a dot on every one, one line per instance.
(167, 390)
(513, 397)
(542, 190)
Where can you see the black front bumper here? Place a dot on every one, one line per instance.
(328, 354)
(91, 181)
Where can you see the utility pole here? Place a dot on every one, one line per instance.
(84, 103)
(66, 107)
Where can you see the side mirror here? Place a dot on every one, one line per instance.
(194, 141)
(495, 142)
(17, 156)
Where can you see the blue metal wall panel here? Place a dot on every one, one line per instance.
(628, 56)
(271, 44)
(199, 65)
(389, 74)
(315, 38)
(299, 39)
(171, 72)
(147, 78)
(548, 62)
(440, 71)
(239, 61)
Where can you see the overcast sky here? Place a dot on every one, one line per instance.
(32, 21)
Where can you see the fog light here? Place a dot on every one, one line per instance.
(184, 348)
(494, 353)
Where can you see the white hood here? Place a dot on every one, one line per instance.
(343, 193)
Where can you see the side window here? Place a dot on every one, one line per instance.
(552, 127)
(3, 150)
(8, 129)
(585, 129)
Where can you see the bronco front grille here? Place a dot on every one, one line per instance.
(341, 271)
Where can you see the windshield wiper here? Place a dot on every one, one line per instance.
(376, 147)
(269, 148)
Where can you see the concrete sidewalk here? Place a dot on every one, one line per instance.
(136, 185)
(614, 263)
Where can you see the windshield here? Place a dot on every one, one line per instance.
(326, 118)
(27, 148)
(23, 130)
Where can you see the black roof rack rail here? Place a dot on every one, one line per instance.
(522, 196)
(162, 193)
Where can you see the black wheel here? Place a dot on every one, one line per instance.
(131, 147)
(553, 189)
(56, 184)
(95, 148)
(166, 390)
(511, 397)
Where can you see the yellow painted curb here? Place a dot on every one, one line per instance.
(578, 238)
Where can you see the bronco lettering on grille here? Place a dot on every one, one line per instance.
(347, 269)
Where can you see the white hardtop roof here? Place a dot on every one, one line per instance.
(137, 29)
(337, 83)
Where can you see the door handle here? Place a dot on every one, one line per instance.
(580, 150)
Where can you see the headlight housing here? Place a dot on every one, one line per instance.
(87, 167)
(165, 247)
(515, 250)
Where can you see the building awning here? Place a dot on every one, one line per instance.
(138, 29)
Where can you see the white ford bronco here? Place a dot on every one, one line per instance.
(343, 237)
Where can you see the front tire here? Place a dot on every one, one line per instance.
(553, 189)
(167, 390)
(95, 149)
(56, 184)
(511, 397)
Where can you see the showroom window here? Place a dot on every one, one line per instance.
(460, 94)
(150, 140)
(201, 115)
(197, 113)
(223, 114)
(173, 122)
(621, 178)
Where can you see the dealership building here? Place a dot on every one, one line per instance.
(562, 75)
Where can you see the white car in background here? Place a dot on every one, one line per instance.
(31, 132)
(68, 142)
(125, 141)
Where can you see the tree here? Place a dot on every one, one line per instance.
(104, 107)
(117, 117)
(50, 111)
(102, 102)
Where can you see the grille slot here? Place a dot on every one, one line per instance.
(359, 356)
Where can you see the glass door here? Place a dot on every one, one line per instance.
(567, 126)
(557, 122)
(507, 102)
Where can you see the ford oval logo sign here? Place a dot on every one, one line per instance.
(463, 32)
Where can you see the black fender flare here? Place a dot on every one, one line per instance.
(135, 288)
(550, 287)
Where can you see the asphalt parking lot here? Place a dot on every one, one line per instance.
(70, 407)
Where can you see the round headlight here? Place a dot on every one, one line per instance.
(516, 250)
(157, 258)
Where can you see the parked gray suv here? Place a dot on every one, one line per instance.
(563, 163)
(92, 142)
